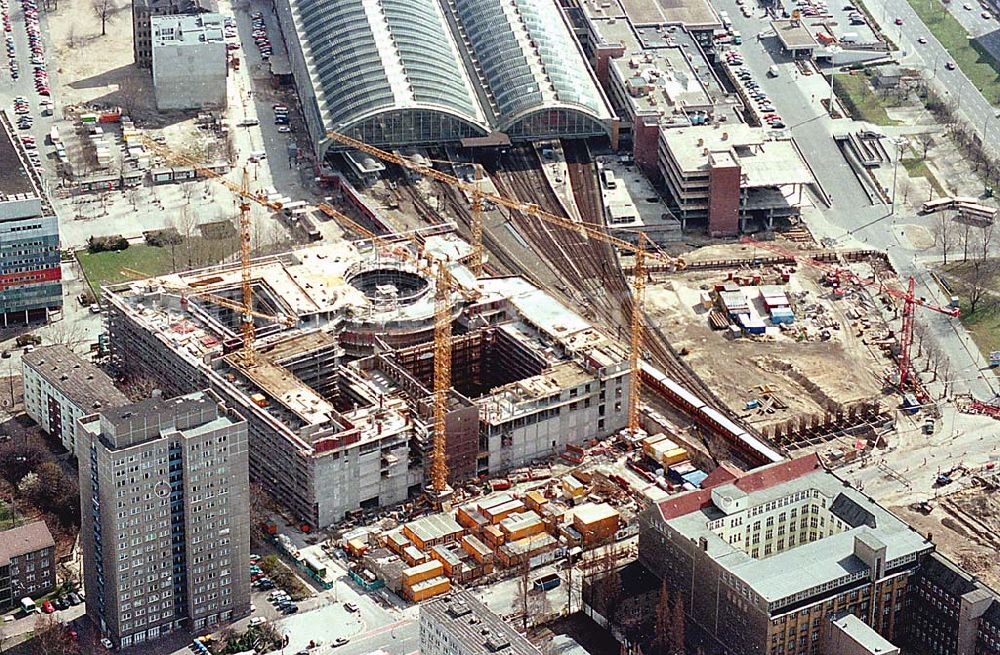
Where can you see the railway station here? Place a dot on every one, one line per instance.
(417, 72)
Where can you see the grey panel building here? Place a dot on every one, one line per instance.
(144, 10)
(166, 529)
(27, 563)
(461, 625)
(189, 62)
(60, 387)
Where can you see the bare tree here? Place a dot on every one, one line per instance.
(924, 140)
(524, 593)
(104, 10)
(130, 91)
(944, 233)
(51, 638)
(661, 628)
(980, 279)
(983, 240)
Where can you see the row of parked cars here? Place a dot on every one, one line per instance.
(762, 102)
(260, 35)
(65, 601)
(33, 27)
(8, 37)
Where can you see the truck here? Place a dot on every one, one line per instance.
(546, 582)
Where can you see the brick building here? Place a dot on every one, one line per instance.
(764, 560)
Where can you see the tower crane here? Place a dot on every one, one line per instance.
(244, 196)
(442, 381)
(530, 209)
(910, 302)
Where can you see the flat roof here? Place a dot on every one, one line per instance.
(794, 34)
(774, 164)
(13, 176)
(478, 629)
(862, 634)
(190, 29)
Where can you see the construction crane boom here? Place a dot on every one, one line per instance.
(588, 230)
(909, 298)
(246, 281)
(237, 189)
(187, 292)
(350, 224)
(477, 225)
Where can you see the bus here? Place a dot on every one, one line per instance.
(938, 205)
(314, 565)
(976, 214)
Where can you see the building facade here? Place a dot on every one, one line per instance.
(950, 612)
(763, 562)
(189, 62)
(27, 563)
(61, 387)
(461, 625)
(166, 528)
(30, 274)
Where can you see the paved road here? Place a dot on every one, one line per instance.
(851, 219)
(972, 107)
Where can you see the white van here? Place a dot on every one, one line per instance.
(773, 71)
(28, 605)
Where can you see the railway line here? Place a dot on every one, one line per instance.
(602, 284)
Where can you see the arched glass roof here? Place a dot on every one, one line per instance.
(528, 57)
(372, 56)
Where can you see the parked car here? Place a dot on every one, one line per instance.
(74, 599)
(47, 607)
(351, 607)
(950, 65)
(258, 620)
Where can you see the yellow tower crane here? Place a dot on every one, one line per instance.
(589, 231)
(442, 381)
(245, 196)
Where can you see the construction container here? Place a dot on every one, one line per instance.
(414, 556)
(572, 487)
(498, 513)
(494, 536)
(88, 118)
(782, 316)
(535, 500)
(672, 456)
(597, 522)
(479, 551)
(421, 572)
(427, 589)
(649, 443)
(396, 541)
(519, 526)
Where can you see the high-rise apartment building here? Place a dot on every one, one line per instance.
(166, 532)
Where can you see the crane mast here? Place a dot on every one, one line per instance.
(442, 380)
(635, 347)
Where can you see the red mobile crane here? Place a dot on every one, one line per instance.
(837, 275)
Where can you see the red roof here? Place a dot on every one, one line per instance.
(756, 480)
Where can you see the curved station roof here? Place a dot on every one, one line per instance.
(399, 72)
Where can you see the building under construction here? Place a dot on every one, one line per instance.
(339, 397)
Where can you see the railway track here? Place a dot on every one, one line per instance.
(602, 285)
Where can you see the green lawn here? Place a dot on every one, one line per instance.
(859, 98)
(106, 267)
(984, 324)
(977, 65)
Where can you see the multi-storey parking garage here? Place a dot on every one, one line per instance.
(415, 72)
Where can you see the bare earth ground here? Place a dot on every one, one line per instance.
(805, 374)
(957, 541)
(99, 71)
